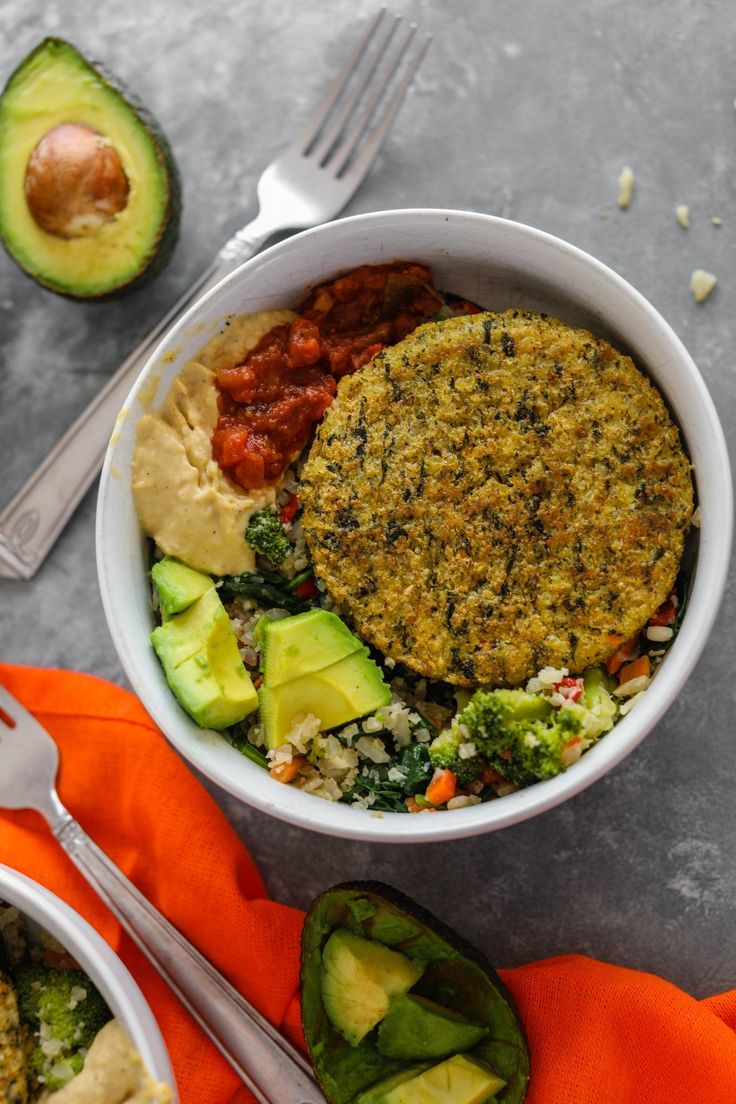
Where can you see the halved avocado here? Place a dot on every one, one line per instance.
(89, 191)
(456, 976)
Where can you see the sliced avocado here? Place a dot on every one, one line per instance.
(456, 976)
(89, 191)
(304, 643)
(416, 1028)
(359, 977)
(214, 686)
(205, 622)
(457, 1080)
(378, 1092)
(348, 689)
(177, 585)
(202, 663)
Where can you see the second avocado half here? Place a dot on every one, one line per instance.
(397, 1007)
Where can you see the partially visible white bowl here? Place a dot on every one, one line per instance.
(97, 959)
(498, 264)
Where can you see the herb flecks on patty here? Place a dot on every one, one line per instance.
(497, 493)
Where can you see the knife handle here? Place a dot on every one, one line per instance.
(35, 516)
(274, 1071)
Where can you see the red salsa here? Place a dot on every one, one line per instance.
(270, 404)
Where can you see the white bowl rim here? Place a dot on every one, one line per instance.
(337, 819)
(99, 960)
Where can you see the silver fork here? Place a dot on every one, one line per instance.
(274, 1071)
(309, 183)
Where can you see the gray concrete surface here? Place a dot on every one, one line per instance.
(525, 110)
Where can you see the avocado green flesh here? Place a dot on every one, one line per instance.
(457, 1080)
(304, 643)
(359, 978)
(415, 1028)
(202, 663)
(55, 84)
(455, 976)
(312, 663)
(177, 585)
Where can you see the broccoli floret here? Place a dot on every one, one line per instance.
(520, 735)
(265, 534)
(65, 1011)
(444, 753)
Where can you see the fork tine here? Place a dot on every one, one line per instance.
(362, 163)
(333, 132)
(344, 151)
(316, 120)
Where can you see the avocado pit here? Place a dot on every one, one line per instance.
(74, 181)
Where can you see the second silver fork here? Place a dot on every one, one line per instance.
(274, 1071)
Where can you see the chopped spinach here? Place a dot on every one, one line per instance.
(413, 762)
(239, 740)
(270, 590)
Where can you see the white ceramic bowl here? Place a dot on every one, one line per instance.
(498, 264)
(44, 910)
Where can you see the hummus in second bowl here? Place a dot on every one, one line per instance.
(59, 1042)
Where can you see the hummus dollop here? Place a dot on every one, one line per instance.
(113, 1073)
(184, 501)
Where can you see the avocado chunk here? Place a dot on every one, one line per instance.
(457, 1080)
(202, 663)
(359, 977)
(177, 585)
(89, 191)
(312, 663)
(304, 643)
(337, 694)
(416, 1028)
(456, 977)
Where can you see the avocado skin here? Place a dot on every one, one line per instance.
(339, 1078)
(160, 253)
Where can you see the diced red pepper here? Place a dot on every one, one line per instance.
(666, 615)
(307, 589)
(289, 510)
(464, 306)
(570, 688)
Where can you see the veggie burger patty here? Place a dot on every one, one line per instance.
(495, 493)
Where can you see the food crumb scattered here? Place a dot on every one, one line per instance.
(702, 284)
(682, 214)
(717, 221)
(695, 519)
(625, 187)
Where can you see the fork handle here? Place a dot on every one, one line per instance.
(37, 513)
(274, 1071)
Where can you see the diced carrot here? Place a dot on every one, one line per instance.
(284, 772)
(621, 655)
(490, 777)
(442, 787)
(257, 682)
(639, 667)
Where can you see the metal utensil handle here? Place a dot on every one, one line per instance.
(37, 513)
(274, 1071)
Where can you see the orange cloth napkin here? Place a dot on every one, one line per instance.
(598, 1034)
